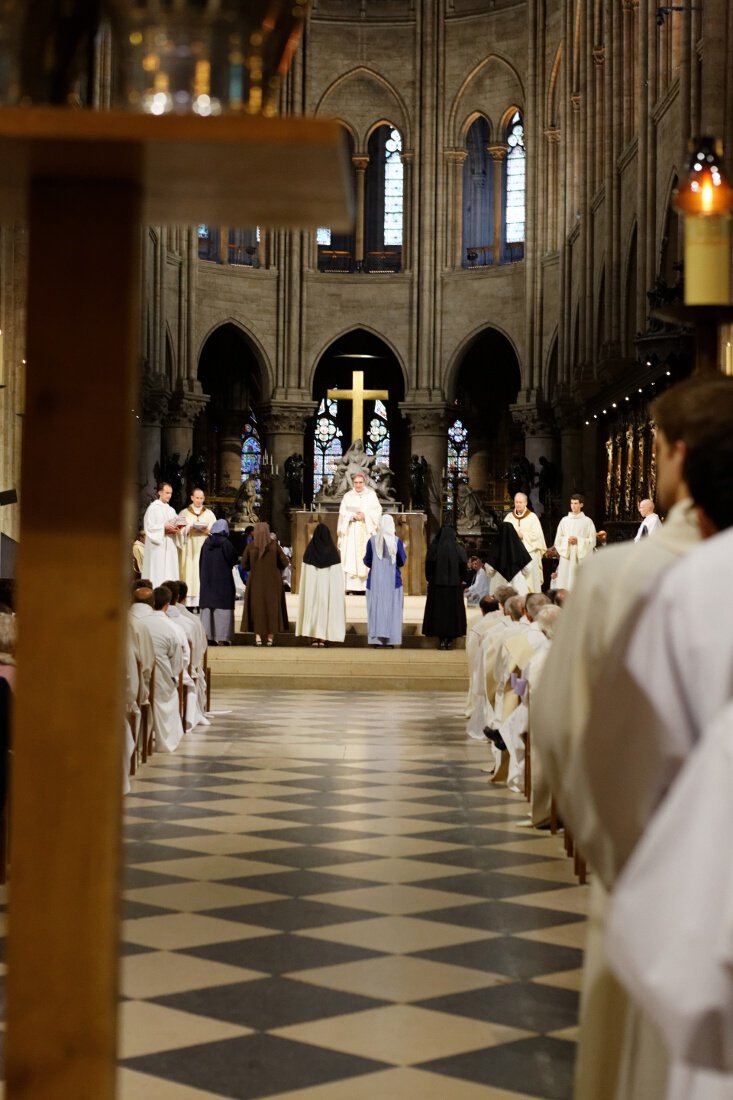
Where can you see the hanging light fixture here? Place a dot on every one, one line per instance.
(705, 199)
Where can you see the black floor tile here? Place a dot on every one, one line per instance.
(135, 878)
(471, 835)
(485, 859)
(306, 855)
(187, 793)
(540, 1008)
(176, 811)
(320, 815)
(162, 830)
(508, 955)
(253, 1066)
(135, 910)
(298, 884)
(291, 915)
(499, 916)
(133, 949)
(139, 851)
(538, 1067)
(312, 834)
(489, 884)
(268, 1003)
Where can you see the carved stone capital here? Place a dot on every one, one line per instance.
(568, 413)
(498, 150)
(575, 101)
(185, 407)
(155, 399)
(599, 55)
(286, 419)
(535, 419)
(427, 420)
(407, 158)
(360, 162)
(456, 156)
(552, 134)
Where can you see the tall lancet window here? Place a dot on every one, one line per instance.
(478, 206)
(515, 190)
(251, 450)
(384, 201)
(377, 434)
(457, 467)
(393, 189)
(326, 443)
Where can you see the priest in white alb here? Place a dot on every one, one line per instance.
(198, 523)
(529, 529)
(574, 541)
(162, 536)
(359, 516)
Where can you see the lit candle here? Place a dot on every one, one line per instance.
(705, 200)
(728, 359)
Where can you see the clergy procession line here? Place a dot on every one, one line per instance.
(588, 699)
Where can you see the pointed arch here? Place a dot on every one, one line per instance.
(365, 97)
(267, 379)
(489, 93)
(328, 341)
(465, 345)
(552, 117)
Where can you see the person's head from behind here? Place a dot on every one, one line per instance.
(141, 535)
(646, 507)
(488, 604)
(547, 619)
(182, 591)
(690, 418)
(534, 602)
(514, 608)
(8, 634)
(161, 597)
(709, 475)
(576, 503)
(143, 595)
(560, 594)
(174, 589)
(503, 593)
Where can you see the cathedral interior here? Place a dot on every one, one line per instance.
(511, 167)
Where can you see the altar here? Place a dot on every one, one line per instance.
(410, 527)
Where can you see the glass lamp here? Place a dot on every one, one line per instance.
(203, 56)
(705, 199)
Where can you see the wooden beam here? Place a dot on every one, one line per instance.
(76, 492)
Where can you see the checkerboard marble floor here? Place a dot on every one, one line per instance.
(325, 899)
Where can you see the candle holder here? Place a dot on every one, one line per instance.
(203, 56)
(705, 199)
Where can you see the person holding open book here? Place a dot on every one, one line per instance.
(198, 520)
(162, 538)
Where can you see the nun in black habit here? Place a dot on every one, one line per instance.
(445, 571)
(508, 559)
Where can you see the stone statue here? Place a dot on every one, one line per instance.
(243, 511)
(294, 479)
(197, 471)
(520, 476)
(418, 483)
(377, 475)
(549, 482)
(474, 510)
(172, 470)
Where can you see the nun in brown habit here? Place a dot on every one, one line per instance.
(265, 613)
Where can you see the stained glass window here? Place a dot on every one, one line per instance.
(393, 189)
(323, 237)
(326, 443)
(515, 181)
(377, 434)
(251, 450)
(457, 468)
(208, 238)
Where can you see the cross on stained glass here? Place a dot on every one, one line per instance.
(357, 395)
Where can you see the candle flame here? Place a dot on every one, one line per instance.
(707, 197)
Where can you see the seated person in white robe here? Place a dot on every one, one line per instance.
(198, 522)
(168, 667)
(162, 538)
(574, 541)
(142, 609)
(476, 703)
(321, 600)
(481, 585)
(202, 644)
(193, 656)
(359, 516)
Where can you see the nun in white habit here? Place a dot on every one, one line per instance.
(322, 597)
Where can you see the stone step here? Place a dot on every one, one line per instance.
(356, 638)
(338, 668)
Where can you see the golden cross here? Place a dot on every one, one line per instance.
(357, 395)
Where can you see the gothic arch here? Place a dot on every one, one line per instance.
(456, 360)
(468, 123)
(550, 372)
(376, 97)
(630, 284)
(489, 93)
(552, 118)
(267, 381)
(328, 341)
(170, 356)
(506, 118)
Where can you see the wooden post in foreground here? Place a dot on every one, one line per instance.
(79, 439)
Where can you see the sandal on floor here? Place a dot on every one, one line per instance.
(258, 641)
(270, 643)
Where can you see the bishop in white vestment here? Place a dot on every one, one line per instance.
(359, 516)
(161, 524)
(529, 529)
(574, 541)
(198, 520)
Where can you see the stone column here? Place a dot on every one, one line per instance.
(552, 137)
(455, 159)
(536, 420)
(407, 218)
(185, 405)
(284, 430)
(479, 467)
(360, 163)
(229, 458)
(497, 153)
(429, 438)
(154, 402)
(574, 477)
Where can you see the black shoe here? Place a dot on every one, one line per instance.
(448, 643)
(495, 737)
(442, 644)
